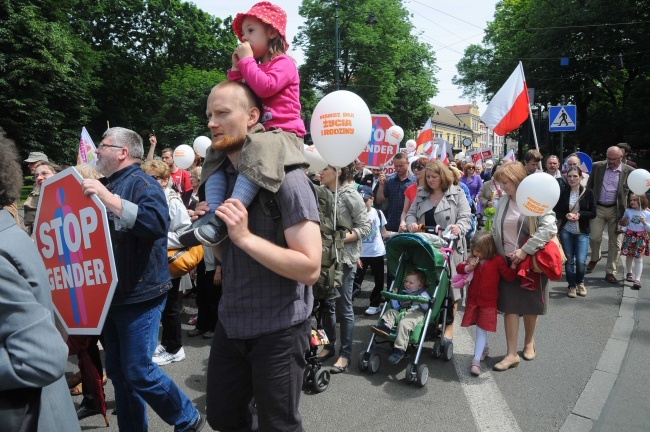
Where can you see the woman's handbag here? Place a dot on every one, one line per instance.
(549, 259)
(182, 261)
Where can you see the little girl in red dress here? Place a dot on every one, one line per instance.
(483, 291)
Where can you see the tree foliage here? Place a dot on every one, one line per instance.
(611, 92)
(383, 63)
(141, 64)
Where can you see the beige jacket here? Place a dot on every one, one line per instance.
(453, 209)
(545, 229)
(353, 211)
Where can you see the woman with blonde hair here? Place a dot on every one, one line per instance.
(514, 241)
(441, 203)
(171, 344)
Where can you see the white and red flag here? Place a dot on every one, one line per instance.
(444, 157)
(510, 156)
(426, 135)
(87, 149)
(509, 108)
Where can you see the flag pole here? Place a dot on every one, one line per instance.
(532, 123)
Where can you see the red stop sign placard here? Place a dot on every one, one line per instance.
(378, 151)
(73, 239)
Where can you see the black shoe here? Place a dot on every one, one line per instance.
(87, 410)
(198, 424)
(212, 233)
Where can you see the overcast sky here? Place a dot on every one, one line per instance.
(447, 25)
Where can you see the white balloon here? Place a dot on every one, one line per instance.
(537, 194)
(638, 180)
(183, 156)
(411, 146)
(460, 156)
(201, 145)
(341, 127)
(468, 159)
(316, 161)
(394, 135)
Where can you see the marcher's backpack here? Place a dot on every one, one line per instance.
(331, 274)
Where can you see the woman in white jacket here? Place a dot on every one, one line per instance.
(171, 344)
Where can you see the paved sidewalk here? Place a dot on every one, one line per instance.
(617, 396)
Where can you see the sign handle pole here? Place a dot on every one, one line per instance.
(530, 116)
(561, 145)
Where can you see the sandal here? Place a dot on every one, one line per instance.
(637, 285)
(629, 277)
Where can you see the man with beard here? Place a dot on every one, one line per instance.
(259, 345)
(138, 222)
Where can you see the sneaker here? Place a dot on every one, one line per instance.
(486, 353)
(475, 369)
(571, 292)
(629, 277)
(372, 310)
(165, 358)
(198, 424)
(212, 233)
(396, 356)
(582, 291)
(381, 329)
(208, 335)
(193, 320)
(159, 350)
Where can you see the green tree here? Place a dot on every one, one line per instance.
(46, 79)
(383, 63)
(182, 114)
(611, 91)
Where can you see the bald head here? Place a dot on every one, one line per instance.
(614, 155)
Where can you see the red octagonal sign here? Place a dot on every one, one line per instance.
(73, 238)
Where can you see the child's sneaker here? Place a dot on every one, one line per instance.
(475, 369)
(396, 356)
(207, 231)
(381, 329)
(486, 353)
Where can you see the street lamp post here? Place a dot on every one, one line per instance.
(337, 36)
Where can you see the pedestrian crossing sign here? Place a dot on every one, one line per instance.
(562, 118)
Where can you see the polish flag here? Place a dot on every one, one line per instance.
(508, 109)
(427, 133)
(444, 157)
(510, 156)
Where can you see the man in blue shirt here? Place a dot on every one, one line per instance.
(391, 190)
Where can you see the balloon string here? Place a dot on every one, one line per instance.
(336, 200)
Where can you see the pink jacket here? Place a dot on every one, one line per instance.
(278, 85)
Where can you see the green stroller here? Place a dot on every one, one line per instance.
(431, 254)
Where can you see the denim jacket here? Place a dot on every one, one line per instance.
(139, 237)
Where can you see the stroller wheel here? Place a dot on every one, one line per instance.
(364, 359)
(411, 373)
(321, 380)
(423, 375)
(307, 375)
(437, 351)
(374, 363)
(449, 351)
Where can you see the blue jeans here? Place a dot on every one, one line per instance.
(341, 308)
(575, 248)
(130, 338)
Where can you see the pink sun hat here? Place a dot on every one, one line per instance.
(266, 12)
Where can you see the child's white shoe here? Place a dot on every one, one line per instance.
(475, 369)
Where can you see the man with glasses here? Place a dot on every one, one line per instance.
(138, 221)
(608, 180)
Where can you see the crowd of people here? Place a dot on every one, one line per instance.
(253, 285)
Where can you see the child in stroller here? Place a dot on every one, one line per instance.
(411, 314)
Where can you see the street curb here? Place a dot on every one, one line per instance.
(590, 404)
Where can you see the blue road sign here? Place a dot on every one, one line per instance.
(562, 118)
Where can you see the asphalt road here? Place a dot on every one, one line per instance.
(536, 396)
